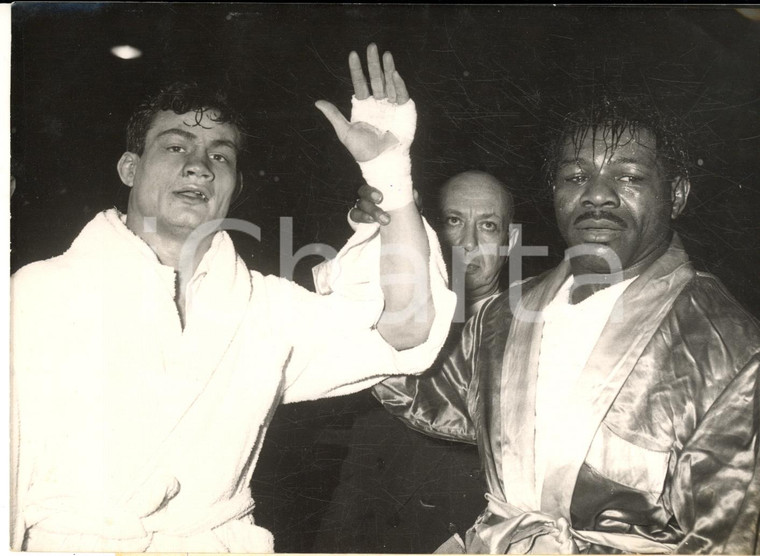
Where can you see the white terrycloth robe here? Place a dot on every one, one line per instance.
(131, 433)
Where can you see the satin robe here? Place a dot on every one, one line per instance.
(657, 449)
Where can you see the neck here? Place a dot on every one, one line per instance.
(171, 251)
(588, 283)
(473, 297)
(171, 246)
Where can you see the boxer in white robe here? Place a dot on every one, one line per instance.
(144, 374)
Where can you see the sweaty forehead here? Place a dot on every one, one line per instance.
(610, 145)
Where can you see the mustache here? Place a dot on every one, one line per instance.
(601, 215)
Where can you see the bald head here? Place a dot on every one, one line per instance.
(476, 211)
(479, 183)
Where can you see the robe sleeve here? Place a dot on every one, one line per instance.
(24, 399)
(716, 481)
(336, 346)
(436, 403)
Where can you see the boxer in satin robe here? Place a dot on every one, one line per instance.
(653, 447)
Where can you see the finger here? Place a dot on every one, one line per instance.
(367, 211)
(402, 95)
(370, 194)
(375, 213)
(361, 91)
(333, 115)
(388, 68)
(375, 72)
(359, 216)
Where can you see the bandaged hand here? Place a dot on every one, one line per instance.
(381, 129)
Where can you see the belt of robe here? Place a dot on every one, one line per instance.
(504, 528)
(59, 523)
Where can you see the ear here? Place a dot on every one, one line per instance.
(127, 166)
(679, 193)
(514, 234)
(240, 184)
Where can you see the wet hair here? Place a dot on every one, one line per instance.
(180, 98)
(615, 118)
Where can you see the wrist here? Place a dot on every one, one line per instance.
(391, 174)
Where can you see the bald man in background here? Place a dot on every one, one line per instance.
(401, 491)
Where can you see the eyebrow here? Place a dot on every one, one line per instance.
(613, 160)
(447, 212)
(177, 131)
(626, 160)
(192, 136)
(570, 161)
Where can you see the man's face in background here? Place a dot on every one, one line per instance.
(476, 213)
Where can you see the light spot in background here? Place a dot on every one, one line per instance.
(750, 13)
(126, 52)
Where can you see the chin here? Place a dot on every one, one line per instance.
(598, 258)
(598, 265)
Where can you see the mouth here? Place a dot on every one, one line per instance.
(599, 230)
(193, 195)
(599, 235)
(600, 225)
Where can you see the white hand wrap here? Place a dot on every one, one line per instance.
(391, 171)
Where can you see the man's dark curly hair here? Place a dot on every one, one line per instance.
(614, 117)
(182, 97)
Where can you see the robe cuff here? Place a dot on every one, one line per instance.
(355, 274)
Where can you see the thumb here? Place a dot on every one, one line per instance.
(333, 115)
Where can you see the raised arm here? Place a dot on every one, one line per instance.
(379, 136)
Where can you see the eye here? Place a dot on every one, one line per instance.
(577, 179)
(629, 179)
(219, 157)
(453, 221)
(489, 226)
(175, 149)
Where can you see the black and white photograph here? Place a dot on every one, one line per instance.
(377, 278)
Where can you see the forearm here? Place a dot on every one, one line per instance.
(405, 279)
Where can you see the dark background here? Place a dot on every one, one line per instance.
(483, 79)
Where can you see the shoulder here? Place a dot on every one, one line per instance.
(501, 304)
(706, 300)
(39, 277)
(706, 319)
(69, 268)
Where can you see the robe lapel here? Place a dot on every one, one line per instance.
(218, 307)
(196, 361)
(634, 319)
(518, 391)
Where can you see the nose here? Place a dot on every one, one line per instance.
(600, 192)
(470, 240)
(196, 167)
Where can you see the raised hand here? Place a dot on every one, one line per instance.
(378, 122)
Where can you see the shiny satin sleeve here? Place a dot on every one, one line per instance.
(436, 402)
(716, 482)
